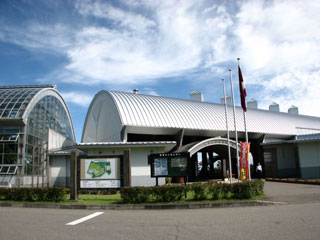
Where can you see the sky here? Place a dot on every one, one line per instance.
(164, 47)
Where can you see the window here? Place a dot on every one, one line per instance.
(8, 169)
(9, 138)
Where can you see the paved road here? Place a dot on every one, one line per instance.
(292, 193)
(288, 221)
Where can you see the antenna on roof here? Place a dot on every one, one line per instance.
(135, 91)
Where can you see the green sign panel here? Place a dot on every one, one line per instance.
(169, 164)
(97, 169)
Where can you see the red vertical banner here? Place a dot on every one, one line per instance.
(244, 161)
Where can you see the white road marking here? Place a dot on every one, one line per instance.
(85, 218)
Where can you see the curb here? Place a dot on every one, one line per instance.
(293, 181)
(144, 206)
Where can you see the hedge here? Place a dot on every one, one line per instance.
(135, 194)
(201, 191)
(33, 194)
(168, 193)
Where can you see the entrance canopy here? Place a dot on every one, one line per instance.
(195, 147)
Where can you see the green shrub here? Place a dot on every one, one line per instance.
(3, 193)
(257, 187)
(227, 191)
(249, 189)
(56, 194)
(242, 190)
(216, 191)
(200, 191)
(33, 194)
(175, 192)
(135, 194)
(168, 193)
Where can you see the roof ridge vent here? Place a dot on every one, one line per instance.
(293, 110)
(252, 103)
(274, 107)
(228, 98)
(196, 96)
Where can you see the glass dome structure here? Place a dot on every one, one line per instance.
(33, 120)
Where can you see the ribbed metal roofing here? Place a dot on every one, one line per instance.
(162, 112)
(126, 144)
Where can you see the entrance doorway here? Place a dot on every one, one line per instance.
(209, 159)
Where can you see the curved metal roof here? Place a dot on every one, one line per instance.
(161, 112)
(17, 102)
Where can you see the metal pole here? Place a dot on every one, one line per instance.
(73, 176)
(245, 130)
(247, 140)
(235, 124)
(225, 109)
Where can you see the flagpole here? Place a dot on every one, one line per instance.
(225, 109)
(245, 130)
(235, 124)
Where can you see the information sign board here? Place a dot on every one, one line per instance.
(100, 173)
(169, 164)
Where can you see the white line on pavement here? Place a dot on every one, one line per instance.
(85, 218)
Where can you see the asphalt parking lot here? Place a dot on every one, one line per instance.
(298, 217)
(292, 193)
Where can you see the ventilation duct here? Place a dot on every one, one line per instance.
(252, 104)
(228, 98)
(293, 110)
(274, 107)
(196, 96)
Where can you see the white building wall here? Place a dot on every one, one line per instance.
(59, 171)
(57, 140)
(309, 156)
(140, 169)
(103, 123)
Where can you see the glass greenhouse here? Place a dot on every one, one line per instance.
(33, 120)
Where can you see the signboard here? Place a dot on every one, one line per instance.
(160, 166)
(100, 184)
(244, 161)
(100, 173)
(169, 164)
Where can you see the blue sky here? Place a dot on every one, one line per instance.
(167, 48)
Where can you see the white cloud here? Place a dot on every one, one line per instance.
(176, 40)
(278, 36)
(149, 91)
(133, 21)
(170, 47)
(299, 89)
(173, 39)
(78, 98)
(280, 51)
(138, 42)
(34, 36)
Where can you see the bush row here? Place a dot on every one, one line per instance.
(165, 193)
(200, 191)
(33, 194)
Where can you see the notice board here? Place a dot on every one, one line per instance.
(169, 164)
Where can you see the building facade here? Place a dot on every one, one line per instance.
(33, 121)
(122, 130)
(118, 117)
